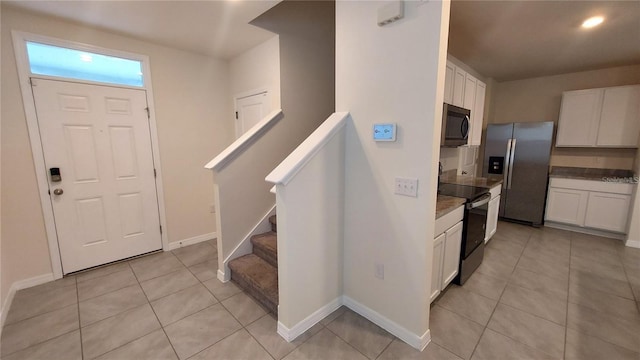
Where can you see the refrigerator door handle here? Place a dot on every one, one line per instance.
(512, 156)
(505, 171)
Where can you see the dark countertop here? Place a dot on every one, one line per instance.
(450, 177)
(446, 204)
(588, 173)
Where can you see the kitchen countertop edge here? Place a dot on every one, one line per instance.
(446, 204)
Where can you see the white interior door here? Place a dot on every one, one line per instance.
(250, 110)
(105, 204)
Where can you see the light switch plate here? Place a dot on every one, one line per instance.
(406, 186)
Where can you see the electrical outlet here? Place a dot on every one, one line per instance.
(406, 187)
(212, 208)
(379, 271)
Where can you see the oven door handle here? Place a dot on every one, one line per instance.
(483, 200)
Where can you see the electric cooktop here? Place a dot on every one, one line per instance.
(462, 191)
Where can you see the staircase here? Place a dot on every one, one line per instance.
(257, 273)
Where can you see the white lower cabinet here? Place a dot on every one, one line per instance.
(492, 213)
(590, 204)
(607, 211)
(446, 258)
(436, 270)
(567, 206)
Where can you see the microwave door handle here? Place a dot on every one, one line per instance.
(464, 127)
(505, 171)
(513, 155)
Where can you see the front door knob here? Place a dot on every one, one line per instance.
(58, 192)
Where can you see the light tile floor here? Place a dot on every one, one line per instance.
(539, 294)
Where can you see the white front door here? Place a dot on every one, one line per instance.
(105, 204)
(249, 111)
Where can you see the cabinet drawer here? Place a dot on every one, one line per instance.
(445, 222)
(592, 185)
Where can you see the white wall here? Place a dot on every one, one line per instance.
(310, 230)
(538, 99)
(391, 74)
(258, 68)
(192, 107)
(305, 31)
(633, 237)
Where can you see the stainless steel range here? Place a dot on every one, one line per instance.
(474, 223)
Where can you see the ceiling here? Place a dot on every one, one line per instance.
(504, 40)
(509, 40)
(217, 28)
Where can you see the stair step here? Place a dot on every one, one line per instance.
(266, 246)
(258, 278)
(274, 223)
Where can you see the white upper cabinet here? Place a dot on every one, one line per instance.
(463, 90)
(459, 79)
(448, 83)
(620, 119)
(605, 117)
(477, 114)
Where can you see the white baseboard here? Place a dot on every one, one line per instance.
(417, 342)
(224, 276)
(582, 230)
(245, 247)
(19, 285)
(190, 241)
(306, 324)
(632, 243)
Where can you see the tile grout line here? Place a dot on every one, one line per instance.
(484, 329)
(345, 341)
(156, 315)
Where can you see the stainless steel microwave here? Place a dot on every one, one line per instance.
(455, 126)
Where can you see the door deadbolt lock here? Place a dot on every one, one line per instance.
(58, 192)
(55, 174)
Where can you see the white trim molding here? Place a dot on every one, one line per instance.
(244, 247)
(19, 285)
(632, 243)
(190, 241)
(417, 342)
(306, 324)
(244, 141)
(293, 163)
(24, 75)
(582, 230)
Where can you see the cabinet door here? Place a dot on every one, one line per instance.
(467, 156)
(469, 92)
(451, 258)
(492, 218)
(620, 117)
(579, 118)
(436, 267)
(607, 211)
(448, 83)
(458, 87)
(477, 114)
(566, 206)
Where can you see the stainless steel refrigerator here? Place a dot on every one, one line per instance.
(519, 154)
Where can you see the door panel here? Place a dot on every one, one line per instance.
(250, 110)
(99, 138)
(525, 199)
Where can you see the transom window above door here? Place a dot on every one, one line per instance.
(50, 60)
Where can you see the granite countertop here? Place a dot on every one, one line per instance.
(450, 177)
(588, 173)
(446, 204)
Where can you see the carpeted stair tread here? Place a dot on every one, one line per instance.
(258, 278)
(266, 246)
(274, 223)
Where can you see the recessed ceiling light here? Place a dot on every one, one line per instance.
(592, 22)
